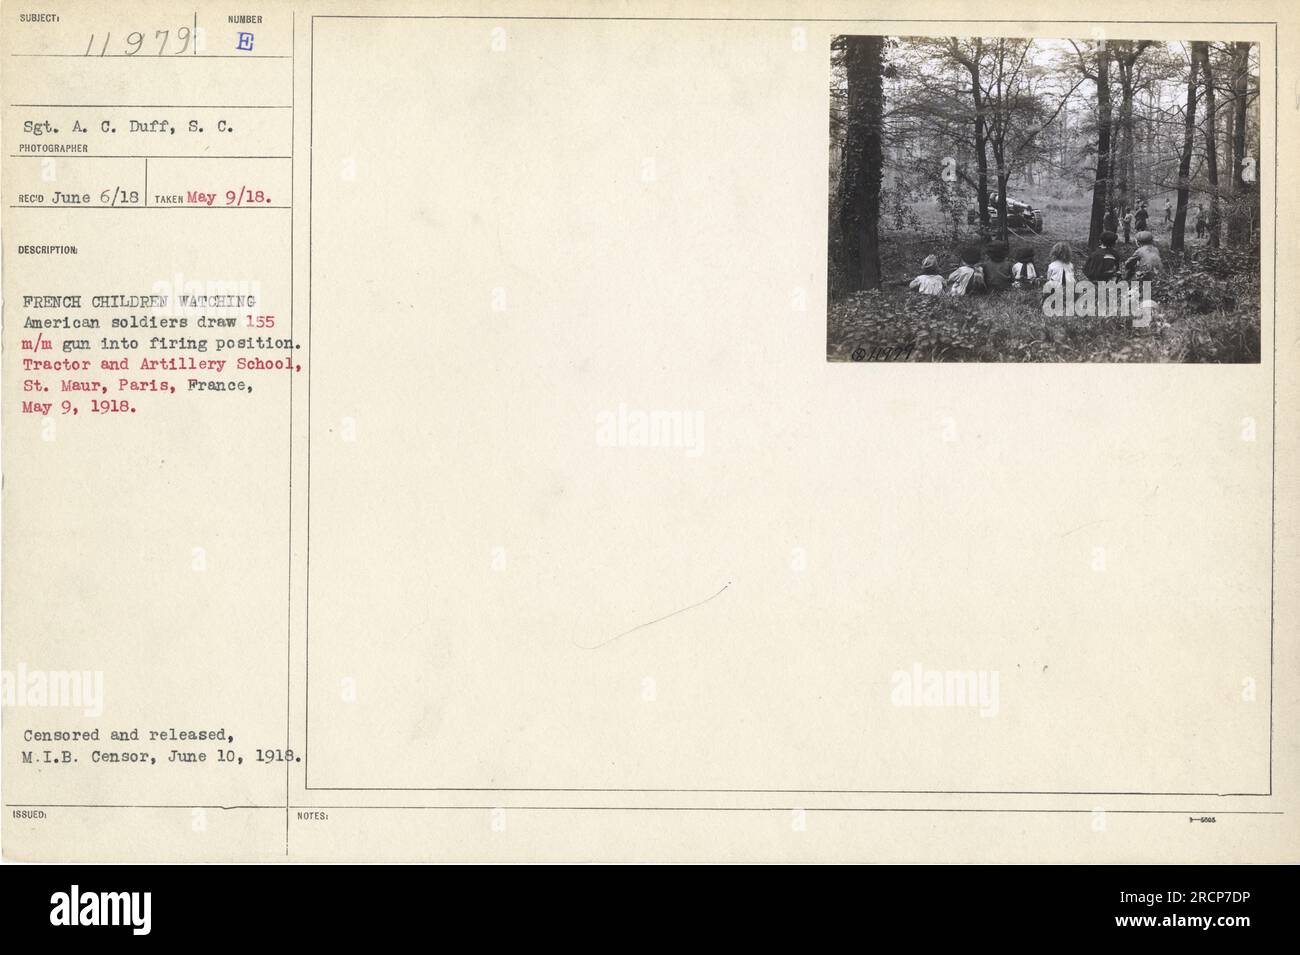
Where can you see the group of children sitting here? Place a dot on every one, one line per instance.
(993, 271)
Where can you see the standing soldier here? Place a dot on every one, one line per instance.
(1111, 222)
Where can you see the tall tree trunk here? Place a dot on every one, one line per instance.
(1130, 157)
(1003, 175)
(1211, 141)
(972, 64)
(1095, 226)
(1239, 213)
(1185, 161)
(981, 145)
(1124, 178)
(1111, 187)
(862, 162)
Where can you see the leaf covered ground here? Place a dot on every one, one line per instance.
(1207, 310)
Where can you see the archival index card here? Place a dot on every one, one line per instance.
(678, 432)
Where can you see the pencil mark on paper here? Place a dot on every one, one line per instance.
(651, 623)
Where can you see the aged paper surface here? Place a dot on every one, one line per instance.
(420, 443)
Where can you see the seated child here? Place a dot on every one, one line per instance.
(930, 281)
(1143, 267)
(1023, 273)
(1103, 264)
(997, 270)
(968, 278)
(1145, 262)
(1060, 271)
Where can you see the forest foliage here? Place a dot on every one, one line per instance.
(934, 139)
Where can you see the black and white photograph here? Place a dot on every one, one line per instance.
(1009, 199)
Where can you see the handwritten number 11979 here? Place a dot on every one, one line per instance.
(135, 42)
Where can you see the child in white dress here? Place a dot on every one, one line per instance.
(930, 281)
(1060, 271)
